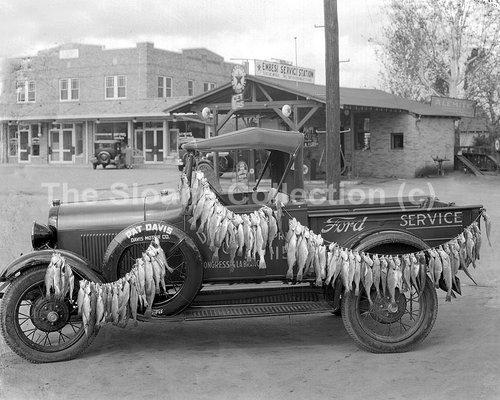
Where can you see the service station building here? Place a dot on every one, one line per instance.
(383, 135)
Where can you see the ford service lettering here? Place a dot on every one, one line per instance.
(344, 224)
(431, 219)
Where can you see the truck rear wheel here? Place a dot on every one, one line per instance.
(38, 328)
(390, 328)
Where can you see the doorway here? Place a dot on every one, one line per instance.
(151, 142)
(24, 155)
(61, 145)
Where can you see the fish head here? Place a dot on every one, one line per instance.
(293, 223)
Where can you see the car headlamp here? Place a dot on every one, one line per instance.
(42, 236)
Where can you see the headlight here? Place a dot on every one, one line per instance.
(42, 236)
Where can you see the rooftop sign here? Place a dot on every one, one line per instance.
(283, 71)
(461, 107)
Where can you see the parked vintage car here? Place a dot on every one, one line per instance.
(108, 152)
(102, 239)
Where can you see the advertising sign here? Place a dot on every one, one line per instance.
(461, 107)
(283, 71)
(237, 101)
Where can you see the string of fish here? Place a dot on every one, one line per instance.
(114, 302)
(245, 235)
(384, 272)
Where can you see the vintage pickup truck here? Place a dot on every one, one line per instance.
(101, 240)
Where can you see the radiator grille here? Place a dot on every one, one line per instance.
(94, 246)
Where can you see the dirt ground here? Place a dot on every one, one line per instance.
(263, 358)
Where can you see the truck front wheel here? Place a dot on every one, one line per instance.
(386, 327)
(38, 328)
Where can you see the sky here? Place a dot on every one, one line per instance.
(234, 29)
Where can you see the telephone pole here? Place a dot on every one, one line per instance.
(332, 97)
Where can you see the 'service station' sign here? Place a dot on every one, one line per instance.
(283, 71)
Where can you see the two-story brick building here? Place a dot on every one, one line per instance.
(55, 105)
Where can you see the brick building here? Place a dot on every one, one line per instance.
(55, 105)
(386, 135)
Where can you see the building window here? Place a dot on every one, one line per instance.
(164, 86)
(116, 87)
(208, 86)
(69, 89)
(362, 131)
(13, 138)
(26, 91)
(397, 141)
(111, 131)
(190, 88)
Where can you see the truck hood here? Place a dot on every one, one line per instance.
(117, 214)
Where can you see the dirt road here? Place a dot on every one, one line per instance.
(264, 358)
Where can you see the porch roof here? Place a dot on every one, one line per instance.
(79, 110)
(349, 98)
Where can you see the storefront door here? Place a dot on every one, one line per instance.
(24, 145)
(153, 145)
(61, 144)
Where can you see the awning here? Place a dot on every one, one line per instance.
(250, 138)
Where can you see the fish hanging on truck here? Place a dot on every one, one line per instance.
(384, 273)
(116, 302)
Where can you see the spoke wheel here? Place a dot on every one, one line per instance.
(40, 328)
(385, 326)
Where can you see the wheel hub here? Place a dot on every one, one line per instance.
(386, 312)
(49, 315)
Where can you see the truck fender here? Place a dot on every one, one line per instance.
(141, 233)
(392, 236)
(38, 257)
(376, 239)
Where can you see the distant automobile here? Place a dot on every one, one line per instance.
(108, 152)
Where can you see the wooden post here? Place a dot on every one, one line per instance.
(332, 97)
(299, 160)
(215, 154)
(3, 144)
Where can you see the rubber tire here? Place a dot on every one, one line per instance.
(104, 166)
(8, 330)
(191, 287)
(372, 345)
(94, 166)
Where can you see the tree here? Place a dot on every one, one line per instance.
(444, 48)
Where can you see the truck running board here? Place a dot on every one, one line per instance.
(198, 313)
